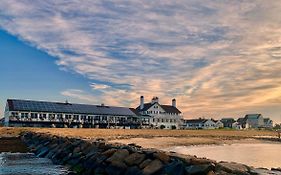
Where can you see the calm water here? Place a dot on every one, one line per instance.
(267, 155)
(28, 164)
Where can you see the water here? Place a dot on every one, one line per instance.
(28, 164)
(267, 155)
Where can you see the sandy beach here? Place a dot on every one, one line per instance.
(152, 138)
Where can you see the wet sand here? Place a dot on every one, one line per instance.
(167, 142)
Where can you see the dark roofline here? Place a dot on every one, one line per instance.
(148, 105)
(68, 103)
(11, 108)
(195, 120)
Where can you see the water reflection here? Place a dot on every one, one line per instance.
(265, 155)
(28, 164)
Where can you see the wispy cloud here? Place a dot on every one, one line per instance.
(216, 58)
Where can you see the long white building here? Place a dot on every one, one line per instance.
(29, 113)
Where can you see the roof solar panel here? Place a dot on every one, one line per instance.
(39, 106)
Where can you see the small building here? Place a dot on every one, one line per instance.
(241, 124)
(218, 123)
(227, 122)
(237, 125)
(209, 124)
(254, 120)
(268, 123)
(202, 123)
(161, 116)
(194, 123)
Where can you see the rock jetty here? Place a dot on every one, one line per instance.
(99, 157)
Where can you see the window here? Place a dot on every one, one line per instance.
(104, 118)
(15, 114)
(76, 117)
(34, 115)
(44, 116)
(59, 116)
(97, 118)
(24, 115)
(67, 116)
(52, 116)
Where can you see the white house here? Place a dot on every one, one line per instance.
(254, 120)
(219, 124)
(202, 123)
(268, 123)
(237, 125)
(161, 116)
(193, 123)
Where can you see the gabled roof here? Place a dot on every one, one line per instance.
(146, 106)
(215, 120)
(135, 111)
(57, 107)
(170, 109)
(227, 120)
(252, 116)
(241, 120)
(166, 108)
(266, 120)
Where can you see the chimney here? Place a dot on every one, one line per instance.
(141, 102)
(174, 103)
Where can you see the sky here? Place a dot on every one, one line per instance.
(217, 58)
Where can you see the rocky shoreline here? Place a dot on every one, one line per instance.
(12, 144)
(100, 157)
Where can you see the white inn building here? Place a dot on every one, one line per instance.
(159, 115)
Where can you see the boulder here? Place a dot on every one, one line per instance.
(162, 156)
(145, 163)
(276, 169)
(133, 171)
(199, 161)
(109, 152)
(234, 168)
(199, 169)
(119, 155)
(134, 159)
(153, 167)
(116, 168)
(186, 159)
(175, 168)
(43, 152)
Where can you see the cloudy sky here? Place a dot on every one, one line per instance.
(217, 58)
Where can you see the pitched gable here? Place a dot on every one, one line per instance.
(171, 109)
